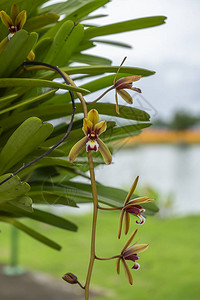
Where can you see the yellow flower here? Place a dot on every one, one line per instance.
(120, 85)
(130, 253)
(92, 129)
(132, 207)
(14, 23)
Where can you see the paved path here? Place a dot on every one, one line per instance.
(37, 286)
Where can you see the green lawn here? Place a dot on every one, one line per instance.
(169, 268)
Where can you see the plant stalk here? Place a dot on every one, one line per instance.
(94, 223)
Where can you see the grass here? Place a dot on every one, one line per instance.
(169, 268)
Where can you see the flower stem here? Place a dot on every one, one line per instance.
(94, 223)
(108, 258)
(109, 208)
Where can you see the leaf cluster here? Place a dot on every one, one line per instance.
(30, 102)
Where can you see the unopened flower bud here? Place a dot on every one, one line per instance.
(70, 278)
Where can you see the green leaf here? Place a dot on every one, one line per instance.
(29, 101)
(42, 48)
(97, 70)
(16, 51)
(30, 82)
(12, 188)
(124, 26)
(36, 235)
(37, 22)
(90, 59)
(65, 43)
(113, 43)
(39, 215)
(122, 132)
(56, 111)
(45, 162)
(24, 140)
(24, 203)
(75, 10)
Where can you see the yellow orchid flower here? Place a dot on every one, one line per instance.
(130, 253)
(132, 207)
(120, 85)
(92, 129)
(14, 23)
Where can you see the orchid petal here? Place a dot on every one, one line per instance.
(139, 200)
(136, 248)
(77, 148)
(6, 20)
(127, 80)
(93, 116)
(118, 265)
(132, 190)
(126, 222)
(87, 126)
(129, 241)
(120, 223)
(136, 90)
(105, 152)
(125, 96)
(100, 127)
(127, 272)
(20, 19)
(14, 12)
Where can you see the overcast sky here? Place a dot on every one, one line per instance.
(172, 50)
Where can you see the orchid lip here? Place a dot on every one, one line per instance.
(142, 220)
(136, 266)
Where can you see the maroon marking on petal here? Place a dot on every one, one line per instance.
(132, 257)
(142, 220)
(137, 90)
(136, 266)
(132, 210)
(124, 86)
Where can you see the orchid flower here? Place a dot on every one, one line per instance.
(92, 129)
(14, 23)
(132, 207)
(120, 85)
(130, 253)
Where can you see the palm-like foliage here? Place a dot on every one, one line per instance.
(28, 96)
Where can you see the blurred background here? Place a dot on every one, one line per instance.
(166, 157)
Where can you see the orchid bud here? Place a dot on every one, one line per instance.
(70, 278)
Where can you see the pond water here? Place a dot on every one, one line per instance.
(173, 171)
(169, 169)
